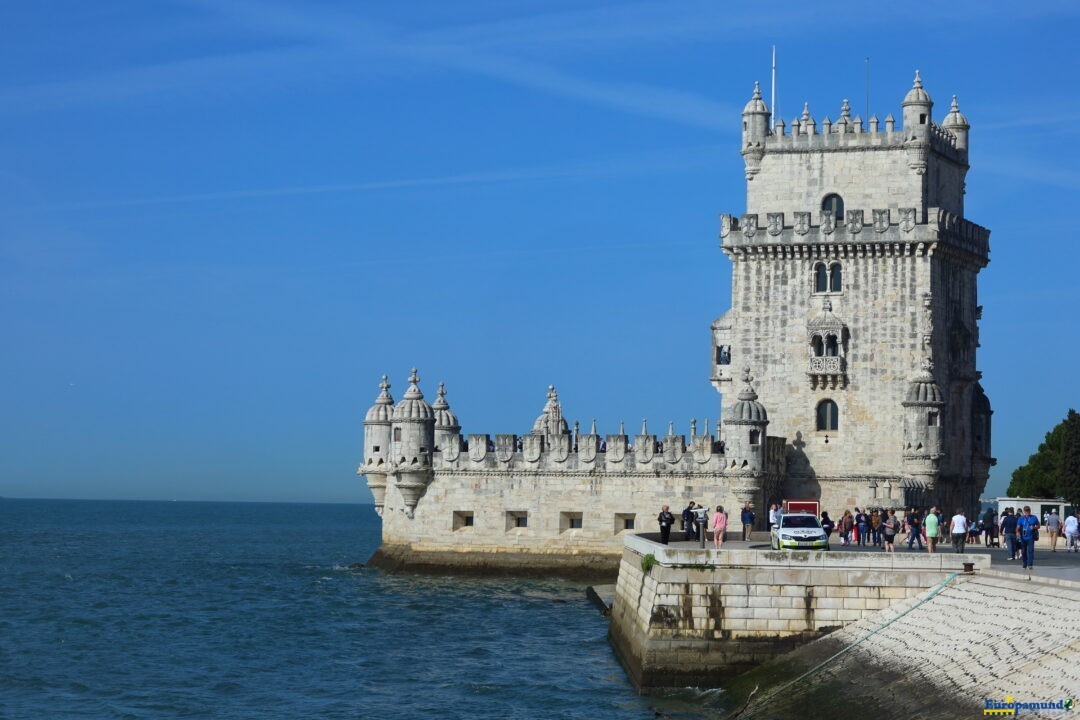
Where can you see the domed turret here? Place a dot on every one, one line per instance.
(956, 123)
(923, 422)
(745, 425)
(917, 111)
(377, 443)
(755, 128)
(447, 428)
(412, 444)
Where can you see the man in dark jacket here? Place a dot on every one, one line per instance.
(688, 521)
(666, 520)
(862, 524)
(747, 521)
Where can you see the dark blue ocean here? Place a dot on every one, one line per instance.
(235, 610)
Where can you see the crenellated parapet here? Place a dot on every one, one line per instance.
(877, 231)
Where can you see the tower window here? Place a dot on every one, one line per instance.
(828, 415)
(932, 418)
(755, 437)
(834, 204)
(397, 434)
(821, 278)
(831, 346)
(723, 355)
(836, 277)
(922, 118)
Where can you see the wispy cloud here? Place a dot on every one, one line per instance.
(666, 160)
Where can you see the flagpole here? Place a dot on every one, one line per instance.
(772, 106)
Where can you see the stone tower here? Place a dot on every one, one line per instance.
(854, 295)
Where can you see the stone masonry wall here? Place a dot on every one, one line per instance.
(696, 616)
(880, 303)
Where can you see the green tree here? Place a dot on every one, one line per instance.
(1069, 473)
(1054, 470)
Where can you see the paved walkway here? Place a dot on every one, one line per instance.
(1062, 565)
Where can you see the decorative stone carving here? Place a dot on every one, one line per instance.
(881, 220)
(749, 225)
(775, 223)
(854, 221)
(828, 222)
(826, 365)
(478, 447)
(531, 447)
(907, 219)
(560, 447)
(727, 222)
(504, 447)
(802, 223)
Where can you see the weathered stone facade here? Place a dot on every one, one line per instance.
(854, 317)
(854, 298)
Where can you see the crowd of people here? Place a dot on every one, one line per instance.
(1015, 532)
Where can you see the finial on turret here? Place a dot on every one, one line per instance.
(845, 109)
(918, 80)
(747, 376)
(577, 427)
(592, 430)
(384, 384)
(955, 107)
(757, 90)
(671, 427)
(706, 426)
(414, 378)
(622, 428)
(442, 389)
(806, 111)
(693, 427)
(644, 426)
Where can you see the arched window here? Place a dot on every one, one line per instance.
(817, 346)
(836, 278)
(821, 278)
(835, 204)
(832, 348)
(828, 415)
(755, 437)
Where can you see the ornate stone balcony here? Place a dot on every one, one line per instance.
(830, 371)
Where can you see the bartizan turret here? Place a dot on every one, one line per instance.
(918, 108)
(375, 462)
(412, 445)
(745, 444)
(447, 427)
(755, 129)
(922, 434)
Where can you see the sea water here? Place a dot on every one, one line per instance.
(244, 610)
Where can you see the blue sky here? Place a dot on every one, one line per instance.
(221, 221)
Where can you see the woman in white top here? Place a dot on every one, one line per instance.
(1072, 533)
(959, 530)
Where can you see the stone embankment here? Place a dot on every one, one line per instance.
(987, 636)
(695, 617)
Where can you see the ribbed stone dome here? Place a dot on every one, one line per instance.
(923, 390)
(916, 95)
(413, 407)
(445, 419)
(748, 409)
(955, 118)
(383, 409)
(756, 104)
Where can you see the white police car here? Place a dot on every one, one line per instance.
(799, 531)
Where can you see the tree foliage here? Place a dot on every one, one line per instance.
(1054, 469)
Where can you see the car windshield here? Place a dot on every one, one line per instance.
(799, 521)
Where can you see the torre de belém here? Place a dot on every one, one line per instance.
(846, 366)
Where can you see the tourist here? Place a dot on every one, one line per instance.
(1027, 527)
(933, 530)
(1053, 528)
(1008, 531)
(875, 527)
(989, 526)
(774, 515)
(719, 526)
(688, 522)
(827, 525)
(747, 517)
(862, 525)
(666, 520)
(847, 526)
(1072, 533)
(890, 526)
(913, 520)
(959, 530)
